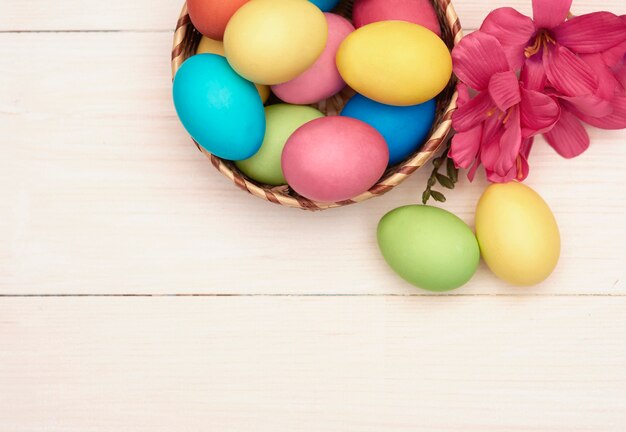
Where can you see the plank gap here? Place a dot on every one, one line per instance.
(390, 295)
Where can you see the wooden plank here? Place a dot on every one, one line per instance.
(313, 364)
(104, 193)
(161, 15)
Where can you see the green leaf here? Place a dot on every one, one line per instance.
(438, 196)
(425, 196)
(437, 162)
(452, 170)
(445, 181)
(431, 181)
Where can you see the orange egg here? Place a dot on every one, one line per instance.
(210, 17)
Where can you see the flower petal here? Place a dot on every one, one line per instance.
(476, 58)
(464, 96)
(568, 73)
(511, 142)
(590, 105)
(538, 113)
(465, 146)
(472, 171)
(591, 33)
(492, 127)
(490, 151)
(494, 177)
(568, 136)
(472, 113)
(504, 90)
(521, 169)
(607, 82)
(616, 120)
(500, 153)
(513, 30)
(550, 13)
(620, 75)
(533, 75)
(615, 56)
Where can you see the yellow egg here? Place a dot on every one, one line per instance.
(395, 63)
(264, 91)
(211, 46)
(273, 41)
(518, 235)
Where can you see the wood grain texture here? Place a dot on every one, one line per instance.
(313, 364)
(160, 15)
(104, 193)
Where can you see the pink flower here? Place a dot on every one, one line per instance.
(496, 127)
(610, 67)
(564, 55)
(570, 71)
(556, 41)
(567, 136)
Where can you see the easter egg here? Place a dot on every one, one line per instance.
(264, 92)
(419, 12)
(395, 63)
(212, 46)
(334, 159)
(274, 41)
(428, 247)
(325, 5)
(322, 80)
(518, 234)
(210, 17)
(404, 128)
(221, 111)
(281, 120)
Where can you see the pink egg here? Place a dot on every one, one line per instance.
(322, 80)
(416, 11)
(333, 159)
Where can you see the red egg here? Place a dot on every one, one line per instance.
(333, 159)
(419, 12)
(210, 17)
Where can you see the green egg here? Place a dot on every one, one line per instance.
(428, 247)
(281, 121)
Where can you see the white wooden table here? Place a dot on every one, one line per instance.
(141, 291)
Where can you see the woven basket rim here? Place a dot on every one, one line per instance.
(280, 195)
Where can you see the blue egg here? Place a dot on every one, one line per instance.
(405, 128)
(325, 5)
(222, 111)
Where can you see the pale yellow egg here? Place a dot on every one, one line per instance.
(518, 235)
(211, 46)
(395, 63)
(273, 41)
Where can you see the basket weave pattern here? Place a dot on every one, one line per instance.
(186, 39)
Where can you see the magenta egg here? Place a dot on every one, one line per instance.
(334, 159)
(419, 12)
(322, 80)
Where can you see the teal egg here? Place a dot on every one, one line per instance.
(222, 111)
(429, 247)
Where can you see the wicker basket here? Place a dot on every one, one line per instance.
(186, 39)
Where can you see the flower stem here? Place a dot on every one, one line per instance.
(447, 181)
